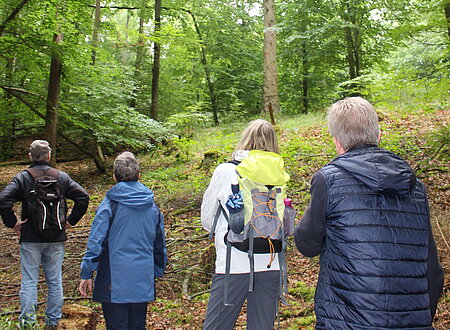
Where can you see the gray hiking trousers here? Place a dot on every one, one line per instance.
(262, 303)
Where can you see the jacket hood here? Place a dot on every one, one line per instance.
(263, 167)
(381, 170)
(131, 193)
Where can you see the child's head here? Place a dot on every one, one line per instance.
(126, 167)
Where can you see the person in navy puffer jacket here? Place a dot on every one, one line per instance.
(126, 247)
(369, 220)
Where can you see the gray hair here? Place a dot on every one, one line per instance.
(259, 135)
(353, 122)
(39, 150)
(126, 167)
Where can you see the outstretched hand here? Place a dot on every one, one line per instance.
(85, 286)
(18, 226)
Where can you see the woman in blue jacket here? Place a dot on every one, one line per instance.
(126, 247)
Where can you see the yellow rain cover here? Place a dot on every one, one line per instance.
(263, 167)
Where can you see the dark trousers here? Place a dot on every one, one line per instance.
(125, 316)
(262, 303)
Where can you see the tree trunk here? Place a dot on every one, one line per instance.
(99, 161)
(447, 16)
(95, 30)
(124, 53)
(9, 123)
(12, 15)
(352, 39)
(350, 54)
(353, 45)
(270, 90)
(140, 49)
(212, 93)
(156, 62)
(353, 11)
(54, 83)
(305, 79)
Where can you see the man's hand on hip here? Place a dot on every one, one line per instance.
(18, 226)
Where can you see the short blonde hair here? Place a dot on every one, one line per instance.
(259, 135)
(353, 122)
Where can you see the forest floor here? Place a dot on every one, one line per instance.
(182, 293)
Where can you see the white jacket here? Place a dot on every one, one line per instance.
(218, 190)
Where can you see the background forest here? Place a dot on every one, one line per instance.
(177, 80)
(130, 74)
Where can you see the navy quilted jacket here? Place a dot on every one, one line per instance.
(375, 249)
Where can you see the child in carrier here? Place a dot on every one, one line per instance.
(126, 247)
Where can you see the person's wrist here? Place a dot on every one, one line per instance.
(86, 275)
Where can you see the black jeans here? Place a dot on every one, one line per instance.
(125, 316)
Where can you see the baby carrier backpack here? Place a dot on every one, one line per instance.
(46, 204)
(256, 223)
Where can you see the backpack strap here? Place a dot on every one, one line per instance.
(227, 275)
(234, 161)
(251, 258)
(219, 210)
(37, 173)
(283, 271)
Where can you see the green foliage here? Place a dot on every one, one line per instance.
(314, 49)
(233, 44)
(439, 141)
(172, 178)
(302, 290)
(306, 321)
(400, 141)
(304, 154)
(302, 307)
(10, 322)
(188, 121)
(223, 138)
(167, 304)
(6, 322)
(403, 49)
(415, 75)
(437, 153)
(203, 297)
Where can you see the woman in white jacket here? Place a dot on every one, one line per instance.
(262, 302)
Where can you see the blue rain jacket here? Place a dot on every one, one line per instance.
(373, 261)
(128, 250)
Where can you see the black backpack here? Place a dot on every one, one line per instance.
(46, 205)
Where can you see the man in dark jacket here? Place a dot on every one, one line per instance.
(36, 247)
(369, 220)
